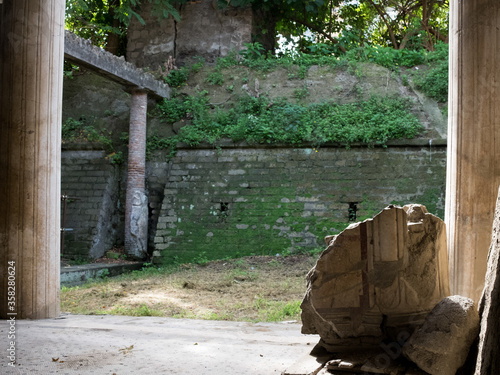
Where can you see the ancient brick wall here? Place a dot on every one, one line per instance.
(94, 216)
(204, 30)
(229, 202)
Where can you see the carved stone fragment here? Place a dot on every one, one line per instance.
(377, 279)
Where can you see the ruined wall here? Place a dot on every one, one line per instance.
(246, 201)
(320, 186)
(94, 217)
(203, 31)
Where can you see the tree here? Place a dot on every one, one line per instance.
(341, 24)
(409, 23)
(346, 23)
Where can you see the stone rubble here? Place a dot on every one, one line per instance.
(379, 299)
(441, 345)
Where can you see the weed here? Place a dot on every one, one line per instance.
(274, 263)
(434, 82)
(275, 311)
(142, 310)
(216, 316)
(215, 78)
(104, 274)
(116, 158)
(260, 120)
(196, 67)
(227, 61)
(83, 130)
(252, 51)
(201, 258)
(386, 56)
(321, 49)
(301, 93)
(177, 77)
(241, 262)
(77, 261)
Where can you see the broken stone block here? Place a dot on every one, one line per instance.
(488, 360)
(377, 278)
(441, 345)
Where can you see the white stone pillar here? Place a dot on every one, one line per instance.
(136, 209)
(31, 67)
(473, 170)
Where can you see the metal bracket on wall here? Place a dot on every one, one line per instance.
(65, 199)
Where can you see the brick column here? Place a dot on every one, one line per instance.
(136, 209)
(473, 170)
(31, 67)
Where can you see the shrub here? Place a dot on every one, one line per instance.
(434, 83)
(260, 120)
(177, 77)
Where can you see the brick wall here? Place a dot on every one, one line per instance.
(94, 215)
(230, 202)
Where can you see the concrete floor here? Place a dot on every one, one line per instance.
(75, 344)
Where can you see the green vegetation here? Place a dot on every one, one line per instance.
(142, 310)
(79, 131)
(336, 26)
(262, 120)
(434, 81)
(276, 311)
(254, 289)
(177, 77)
(372, 121)
(105, 22)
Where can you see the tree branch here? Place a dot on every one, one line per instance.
(383, 15)
(315, 28)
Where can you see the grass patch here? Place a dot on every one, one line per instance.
(277, 311)
(256, 288)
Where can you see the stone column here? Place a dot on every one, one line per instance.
(473, 170)
(31, 66)
(136, 209)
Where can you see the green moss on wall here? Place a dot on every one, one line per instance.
(237, 202)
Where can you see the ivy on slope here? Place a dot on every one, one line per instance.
(265, 121)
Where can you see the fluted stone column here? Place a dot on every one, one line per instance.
(473, 170)
(31, 67)
(136, 209)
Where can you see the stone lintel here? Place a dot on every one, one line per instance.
(81, 52)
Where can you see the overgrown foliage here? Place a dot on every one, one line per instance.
(81, 131)
(434, 82)
(400, 24)
(262, 120)
(277, 121)
(105, 22)
(339, 25)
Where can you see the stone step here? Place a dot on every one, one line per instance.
(80, 274)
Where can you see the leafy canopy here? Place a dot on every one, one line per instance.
(338, 24)
(98, 19)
